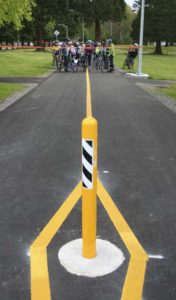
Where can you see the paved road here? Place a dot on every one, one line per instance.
(40, 165)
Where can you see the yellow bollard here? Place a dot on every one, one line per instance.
(89, 186)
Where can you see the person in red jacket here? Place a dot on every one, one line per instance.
(88, 51)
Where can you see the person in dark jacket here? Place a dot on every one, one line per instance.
(64, 51)
(132, 54)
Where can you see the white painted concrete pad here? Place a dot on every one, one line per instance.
(108, 259)
(136, 75)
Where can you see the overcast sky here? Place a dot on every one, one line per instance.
(129, 2)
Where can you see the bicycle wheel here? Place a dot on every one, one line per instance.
(103, 66)
(85, 64)
(99, 60)
(59, 67)
(108, 67)
(132, 63)
(76, 68)
(95, 62)
(97, 65)
(72, 66)
(57, 63)
(124, 64)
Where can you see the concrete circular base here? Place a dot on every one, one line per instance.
(108, 258)
(137, 75)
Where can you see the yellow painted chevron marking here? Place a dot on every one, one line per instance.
(134, 280)
(40, 286)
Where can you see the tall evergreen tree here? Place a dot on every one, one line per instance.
(160, 22)
(49, 12)
(98, 11)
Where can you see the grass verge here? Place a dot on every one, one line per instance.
(169, 91)
(161, 67)
(24, 63)
(7, 89)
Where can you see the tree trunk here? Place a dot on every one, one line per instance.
(40, 38)
(158, 49)
(97, 30)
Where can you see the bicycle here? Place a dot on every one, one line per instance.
(99, 62)
(94, 60)
(129, 63)
(105, 64)
(59, 62)
(85, 64)
(74, 64)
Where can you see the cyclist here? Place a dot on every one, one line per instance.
(72, 51)
(135, 50)
(132, 54)
(54, 50)
(64, 52)
(82, 49)
(82, 53)
(98, 50)
(98, 55)
(74, 56)
(88, 51)
(110, 50)
(105, 50)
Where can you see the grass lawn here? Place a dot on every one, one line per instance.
(157, 66)
(7, 89)
(169, 91)
(24, 63)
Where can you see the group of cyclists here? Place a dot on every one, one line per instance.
(74, 55)
(70, 55)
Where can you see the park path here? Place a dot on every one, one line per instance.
(40, 150)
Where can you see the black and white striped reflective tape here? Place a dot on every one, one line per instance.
(87, 163)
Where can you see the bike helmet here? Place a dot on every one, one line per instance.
(76, 44)
(109, 41)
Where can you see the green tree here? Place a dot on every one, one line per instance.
(47, 14)
(125, 26)
(15, 11)
(7, 34)
(160, 22)
(100, 11)
(27, 33)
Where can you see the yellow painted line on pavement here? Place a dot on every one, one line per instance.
(40, 286)
(88, 101)
(134, 280)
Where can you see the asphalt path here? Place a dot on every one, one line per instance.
(40, 163)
